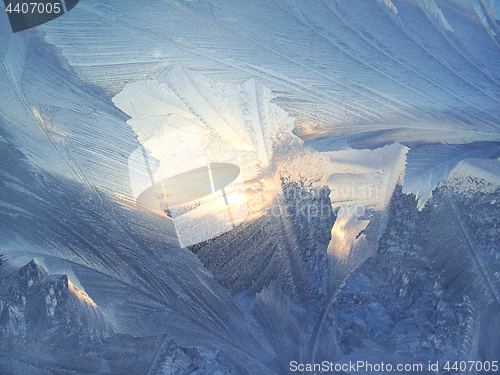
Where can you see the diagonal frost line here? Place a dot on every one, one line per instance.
(413, 70)
(369, 111)
(63, 2)
(472, 252)
(242, 66)
(459, 50)
(136, 268)
(359, 60)
(158, 358)
(462, 53)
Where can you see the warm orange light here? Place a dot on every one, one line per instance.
(339, 241)
(80, 294)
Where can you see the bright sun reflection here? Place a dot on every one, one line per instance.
(80, 294)
(260, 195)
(340, 244)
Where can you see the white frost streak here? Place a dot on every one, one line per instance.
(389, 4)
(235, 123)
(433, 10)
